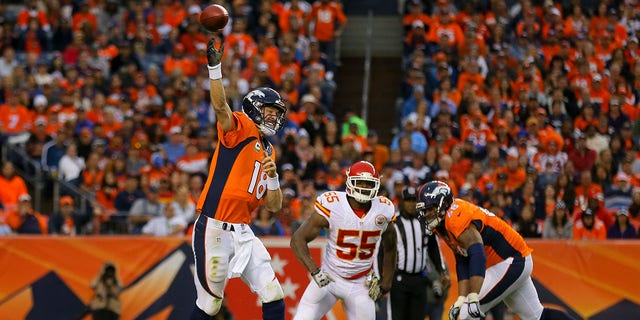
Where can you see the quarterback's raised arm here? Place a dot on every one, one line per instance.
(308, 231)
(218, 97)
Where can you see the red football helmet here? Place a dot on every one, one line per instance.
(362, 181)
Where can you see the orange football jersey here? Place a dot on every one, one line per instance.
(499, 239)
(236, 184)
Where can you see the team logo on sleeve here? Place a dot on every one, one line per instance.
(380, 220)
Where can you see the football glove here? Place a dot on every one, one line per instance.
(375, 290)
(454, 311)
(474, 306)
(321, 278)
(214, 56)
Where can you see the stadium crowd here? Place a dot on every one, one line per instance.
(527, 108)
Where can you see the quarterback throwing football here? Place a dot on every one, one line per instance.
(358, 221)
(242, 176)
(493, 261)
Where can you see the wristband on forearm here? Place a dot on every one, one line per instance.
(215, 72)
(273, 183)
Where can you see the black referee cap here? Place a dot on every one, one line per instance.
(409, 193)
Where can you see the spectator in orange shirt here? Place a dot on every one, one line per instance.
(174, 13)
(24, 220)
(14, 117)
(11, 186)
(193, 40)
(239, 41)
(514, 174)
(444, 25)
(84, 19)
(415, 13)
(31, 12)
(589, 227)
(326, 16)
(294, 12)
(178, 63)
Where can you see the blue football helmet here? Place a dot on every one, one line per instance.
(434, 199)
(253, 104)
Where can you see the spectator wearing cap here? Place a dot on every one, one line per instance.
(124, 58)
(144, 209)
(417, 38)
(416, 13)
(620, 193)
(616, 118)
(415, 248)
(599, 93)
(622, 228)
(417, 140)
(24, 220)
(513, 174)
(178, 64)
(558, 225)
(175, 146)
(67, 221)
(84, 142)
(581, 156)
(38, 138)
(589, 227)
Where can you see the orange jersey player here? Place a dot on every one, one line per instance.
(242, 176)
(493, 262)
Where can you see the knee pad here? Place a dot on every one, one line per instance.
(271, 292)
(212, 306)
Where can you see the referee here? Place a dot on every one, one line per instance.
(409, 290)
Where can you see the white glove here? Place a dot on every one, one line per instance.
(374, 286)
(321, 278)
(454, 311)
(474, 306)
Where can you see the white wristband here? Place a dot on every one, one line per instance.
(215, 72)
(273, 183)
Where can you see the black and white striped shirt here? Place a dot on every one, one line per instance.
(412, 245)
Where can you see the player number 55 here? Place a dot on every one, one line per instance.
(363, 250)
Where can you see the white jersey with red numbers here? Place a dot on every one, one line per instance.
(352, 241)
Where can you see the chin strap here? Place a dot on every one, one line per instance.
(267, 130)
(433, 224)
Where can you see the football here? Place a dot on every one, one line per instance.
(214, 17)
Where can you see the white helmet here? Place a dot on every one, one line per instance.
(359, 172)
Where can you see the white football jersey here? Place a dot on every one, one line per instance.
(352, 242)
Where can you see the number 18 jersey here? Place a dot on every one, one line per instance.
(352, 241)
